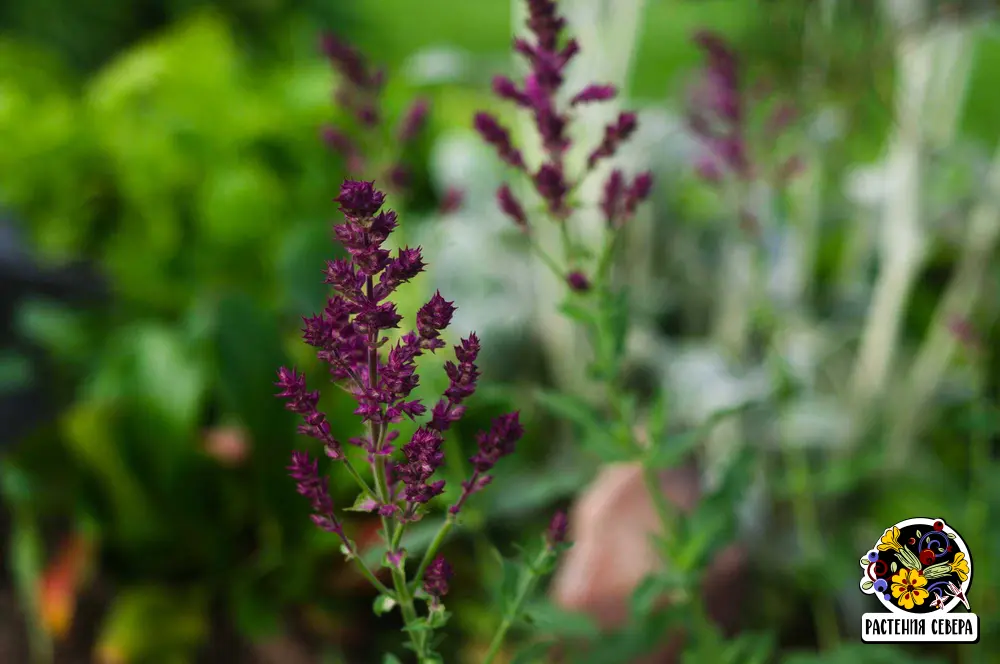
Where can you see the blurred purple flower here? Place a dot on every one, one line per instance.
(548, 54)
(359, 94)
(718, 116)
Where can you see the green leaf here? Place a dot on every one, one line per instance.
(301, 259)
(576, 310)
(867, 585)
(389, 658)
(554, 621)
(893, 566)
(257, 615)
(438, 618)
(852, 653)
(595, 435)
(170, 381)
(510, 576)
(534, 653)
(181, 619)
(668, 451)
(650, 593)
(362, 503)
(248, 347)
(383, 604)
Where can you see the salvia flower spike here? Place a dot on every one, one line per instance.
(548, 51)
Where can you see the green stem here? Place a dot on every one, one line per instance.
(664, 511)
(357, 478)
(526, 584)
(372, 579)
(810, 539)
(432, 550)
(410, 619)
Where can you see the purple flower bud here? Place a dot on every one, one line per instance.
(545, 23)
(436, 578)
(615, 134)
(642, 187)
(494, 134)
(593, 93)
(452, 201)
(349, 62)
(552, 187)
(511, 207)
(505, 88)
(578, 282)
(413, 121)
(556, 534)
(614, 193)
(432, 318)
(360, 200)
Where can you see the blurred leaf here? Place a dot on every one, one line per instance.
(127, 635)
(594, 434)
(258, 615)
(170, 381)
(248, 348)
(533, 653)
(669, 451)
(554, 621)
(389, 658)
(301, 260)
(88, 428)
(53, 326)
(239, 202)
(26, 559)
(510, 574)
(15, 371)
(859, 653)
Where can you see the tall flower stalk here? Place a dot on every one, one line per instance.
(349, 337)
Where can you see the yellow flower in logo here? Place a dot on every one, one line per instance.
(960, 566)
(908, 588)
(890, 540)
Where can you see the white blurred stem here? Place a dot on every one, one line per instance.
(934, 69)
(902, 242)
(957, 303)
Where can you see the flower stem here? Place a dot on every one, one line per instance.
(369, 493)
(526, 584)
(663, 509)
(810, 539)
(372, 579)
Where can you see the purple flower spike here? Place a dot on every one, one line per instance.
(548, 54)
(437, 577)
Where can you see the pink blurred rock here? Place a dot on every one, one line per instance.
(229, 445)
(610, 527)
